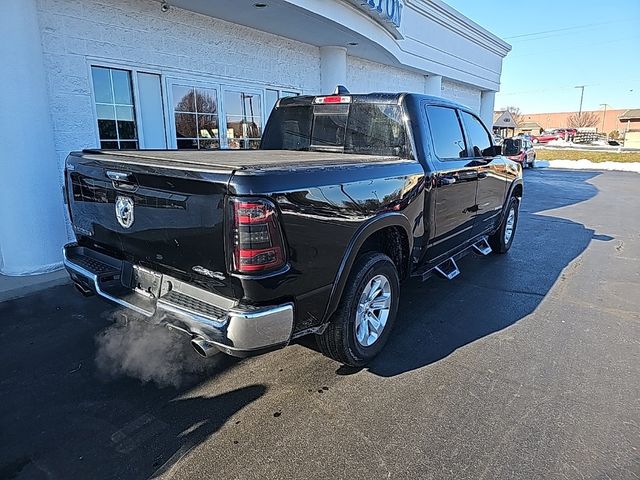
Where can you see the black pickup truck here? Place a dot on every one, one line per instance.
(244, 251)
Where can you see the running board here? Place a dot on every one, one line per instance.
(448, 269)
(482, 246)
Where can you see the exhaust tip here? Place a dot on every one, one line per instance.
(203, 348)
(83, 290)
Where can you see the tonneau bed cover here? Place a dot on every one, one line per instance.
(229, 160)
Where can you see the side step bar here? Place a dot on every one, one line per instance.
(482, 246)
(448, 269)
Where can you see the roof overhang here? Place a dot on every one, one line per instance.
(430, 37)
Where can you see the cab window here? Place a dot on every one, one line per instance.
(477, 136)
(446, 133)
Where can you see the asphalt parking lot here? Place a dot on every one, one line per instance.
(525, 366)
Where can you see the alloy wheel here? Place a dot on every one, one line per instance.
(373, 310)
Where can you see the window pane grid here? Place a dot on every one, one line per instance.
(116, 118)
(196, 117)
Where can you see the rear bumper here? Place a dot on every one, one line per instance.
(235, 329)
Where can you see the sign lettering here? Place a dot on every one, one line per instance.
(388, 10)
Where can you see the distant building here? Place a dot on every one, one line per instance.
(530, 128)
(607, 121)
(504, 124)
(631, 130)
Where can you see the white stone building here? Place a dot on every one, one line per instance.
(84, 73)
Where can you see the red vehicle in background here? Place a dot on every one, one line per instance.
(555, 134)
(519, 150)
(545, 137)
(565, 133)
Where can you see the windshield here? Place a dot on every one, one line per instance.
(366, 128)
(511, 146)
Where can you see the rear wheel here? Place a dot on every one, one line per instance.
(502, 239)
(367, 311)
(533, 162)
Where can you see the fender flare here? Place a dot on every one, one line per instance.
(391, 219)
(514, 184)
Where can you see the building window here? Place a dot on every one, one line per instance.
(243, 113)
(270, 99)
(272, 96)
(195, 112)
(113, 94)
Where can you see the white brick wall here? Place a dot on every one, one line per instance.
(137, 33)
(461, 93)
(364, 76)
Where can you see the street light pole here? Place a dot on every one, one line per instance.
(604, 115)
(581, 97)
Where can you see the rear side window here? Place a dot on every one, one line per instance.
(478, 136)
(446, 133)
(376, 129)
(288, 129)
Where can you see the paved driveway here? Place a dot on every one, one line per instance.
(525, 366)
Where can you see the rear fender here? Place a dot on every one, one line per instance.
(362, 234)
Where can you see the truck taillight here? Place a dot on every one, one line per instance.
(255, 237)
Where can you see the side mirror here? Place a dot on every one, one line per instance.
(496, 150)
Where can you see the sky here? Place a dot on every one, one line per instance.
(559, 45)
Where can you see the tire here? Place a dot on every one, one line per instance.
(500, 241)
(533, 162)
(345, 339)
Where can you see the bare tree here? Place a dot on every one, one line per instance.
(583, 120)
(515, 113)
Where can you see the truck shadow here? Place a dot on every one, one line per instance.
(494, 292)
(60, 421)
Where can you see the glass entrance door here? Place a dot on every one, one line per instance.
(243, 117)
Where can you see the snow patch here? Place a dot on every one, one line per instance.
(589, 165)
(559, 143)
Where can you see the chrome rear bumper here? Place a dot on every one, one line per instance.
(235, 329)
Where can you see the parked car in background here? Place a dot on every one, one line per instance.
(565, 133)
(519, 149)
(545, 137)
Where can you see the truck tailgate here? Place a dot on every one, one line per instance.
(168, 218)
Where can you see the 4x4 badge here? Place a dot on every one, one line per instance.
(124, 211)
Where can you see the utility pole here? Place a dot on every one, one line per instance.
(604, 115)
(581, 97)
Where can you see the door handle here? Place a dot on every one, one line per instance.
(482, 175)
(123, 181)
(119, 176)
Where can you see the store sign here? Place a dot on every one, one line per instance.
(387, 12)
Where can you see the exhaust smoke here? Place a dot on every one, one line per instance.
(143, 348)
